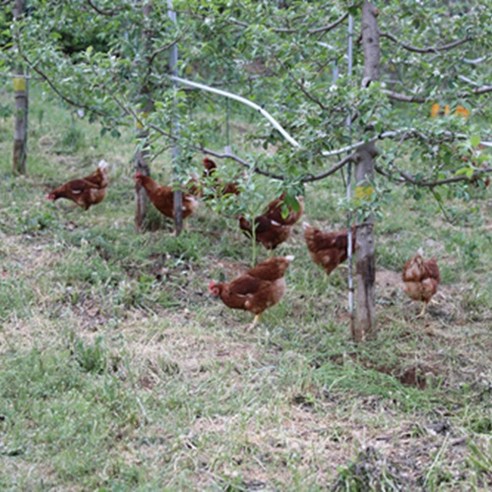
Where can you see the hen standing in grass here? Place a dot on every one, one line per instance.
(162, 197)
(421, 278)
(85, 192)
(256, 290)
(273, 227)
(327, 249)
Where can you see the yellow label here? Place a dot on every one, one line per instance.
(364, 192)
(435, 108)
(19, 84)
(141, 117)
(462, 111)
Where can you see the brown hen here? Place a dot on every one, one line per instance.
(275, 211)
(220, 188)
(256, 290)
(421, 279)
(273, 227)
(267, 232)
(162, 197)
(86, 191)
(327, 249)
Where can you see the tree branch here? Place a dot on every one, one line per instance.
(108, 13)
(165, 47)
(288, 30)
(308, 178)
(477, 91)
(396, 96)
(408, 178)
(302, 88)
(58, 92)
(404, 134)
(429, 49)
(475, 61)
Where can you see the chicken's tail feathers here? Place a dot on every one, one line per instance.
(192, 202)
(103, 165)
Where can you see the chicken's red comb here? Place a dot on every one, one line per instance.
(50, 196)
(138, 174)
(211, 285)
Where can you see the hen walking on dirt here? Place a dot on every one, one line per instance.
(421, 279)
(257, 289)
(85, 192)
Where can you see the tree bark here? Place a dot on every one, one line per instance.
(21, 96)
(370, 43)
(142, 154)
(364, 323)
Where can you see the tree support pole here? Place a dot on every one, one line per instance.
(173, 69)
(142, 154)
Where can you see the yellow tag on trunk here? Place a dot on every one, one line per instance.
(364, 192)
(19, 84)
(142, 117)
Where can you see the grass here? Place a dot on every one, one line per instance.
(119, 372)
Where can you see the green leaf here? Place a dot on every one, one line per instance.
(475, 140)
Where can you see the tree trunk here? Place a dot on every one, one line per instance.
(364, 322)
(21, 107)
(142, 154)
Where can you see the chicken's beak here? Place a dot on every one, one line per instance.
(289, 258)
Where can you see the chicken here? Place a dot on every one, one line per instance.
(272, 228)
(210, 168)
(256, 290)
(421, 279)
(274, 211)
(327, 249)
(267, 232)
(86, 191)
(162, 197)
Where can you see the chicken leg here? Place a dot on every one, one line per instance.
(255, 321)
(424, 309)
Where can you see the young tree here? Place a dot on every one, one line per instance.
(21, 95)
